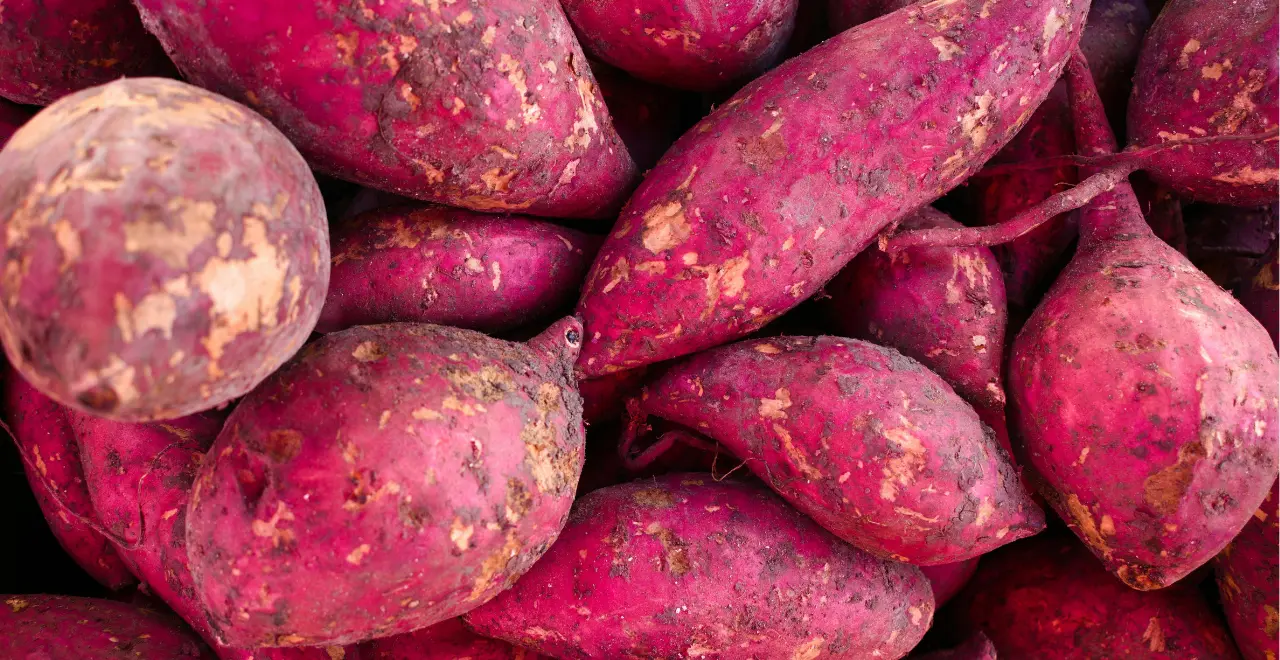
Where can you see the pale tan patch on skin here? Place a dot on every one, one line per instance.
(530, 113)
(495, 564)
(1165, 489)
(488, 36)
(1107, 526)
(335, 652)
(653, 498)
(809, 650)
(368, 351)
(495, 181)
(724, 281)
(652, 267)
(675, 551)
(798, 457)
(768, 349)
(17, 604)
(1154, 636)
(776, 408)
(426, 414)
(947, 49)
(460, 534)
(1249, 176)
(985, 509)
(586, 122)
(1214, 71)
(977, 123)
(551, 464)
(488, 384)
(901, 470)
(1084, 520)
(1052, 24)
(152, 235)
(665, 227)
(346, 45)
(569, 172)
(1192, 46)
(68, 240)
(356, 556)
(518, 501)
(618, 273)
(270, 528)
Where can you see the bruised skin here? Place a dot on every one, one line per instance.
(700, 45)
(684, 566)
(452, 267)
(483, 105)
(56, 47)
(166, 250)
(1209, 69)
(66, 627)
(874, 447)
(1248, 571)
(761, 203)
(388, 478)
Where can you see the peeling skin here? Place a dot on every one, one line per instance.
(813, 422)
(666, 570)
(470, 447)
(163, 262)
(379, 93)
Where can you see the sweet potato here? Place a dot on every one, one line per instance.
(761, 203)
(648, 117)
(56, 47)
(948, 579)
(1226, 241)
(173, 250)
(69, 628)
(447, 640)
(700, 45)
(52, 464)
(977, 647)
(1210, 68)
(484, 105)
(1248, 571)
(1260, 294)
(874, 447)
(1046, 598)
(683, 566)
(1144, 395)
(1112, 41)
(452, 267)
(388, 478)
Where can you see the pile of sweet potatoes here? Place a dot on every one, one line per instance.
(403, 330)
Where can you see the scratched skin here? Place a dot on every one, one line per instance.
(686, 566)
(56, 47)
(1211, 68)
(166, 250)
(761, 203)
(388, 478)
(486, 105)
(1248, 571)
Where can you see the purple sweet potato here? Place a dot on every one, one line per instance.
(1144, 395)
(68, 628)
(166, 250)
(447, 640)
(700, 45)
(52, 464)
(452, 267)
(977, 647)
(1226, 241)
(648, 117)
(1046, 598)
(682, 566)
(763, 202)
(53, 48)
(1260, 294)
(485, 105)
(1248, 571)
(1112, 41)
(388, 478)
(1211, 69)
(874, 447)
(948, 579)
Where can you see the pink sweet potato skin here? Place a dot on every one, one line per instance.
(45, 436)
(1260, 294)
(681, 565)
(874, 447)
(944, 307)
(762, 202)
(977, 647)
(948, 579)
(1248, 571)
(484, 105)
(1047, 598)
(699, 45)
(70, 628)
(1210, 68)
(56, 47)
(447, 640)
(388, 478)
(1144, 395)
(452, 267)
(1111, 42)
(167, 249)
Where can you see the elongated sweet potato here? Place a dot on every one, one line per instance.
(1260, 294)
(484, 105)
(1144, 395)
(388, 478)
(874, 447)
(167, 249)
(56, 47)
(761, 203)
(52, 464)
(1248, 571)
(699, 45)
(69, 628)
(447, 640)
(1046, 598)
(452, 267)
(683, 566)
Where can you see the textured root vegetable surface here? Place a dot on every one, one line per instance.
(56, 47)
(1145, 396)
(166, 249)
(1248, 571)
(452, 267)
(70, 628)
(483, 105)
(388, 478)
(762, 202)
(683, 566)
(948, 579)
(871, 445)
